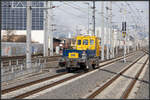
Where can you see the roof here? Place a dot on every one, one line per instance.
(58, 40)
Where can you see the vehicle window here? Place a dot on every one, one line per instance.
(79, 42)
(85, 42)
(91, 42)
(100, 43)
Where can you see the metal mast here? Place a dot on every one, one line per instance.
(88, 18)
(50, 18)
(111, 29)
(124, 34)
(128, 40)
(28, 39)
(46, 30)
(94, 17)
(107, 30)
(117, 41)
(102, 32)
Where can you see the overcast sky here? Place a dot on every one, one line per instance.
(69, 15)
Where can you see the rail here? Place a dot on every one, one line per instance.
(30, 92)
(109, 82)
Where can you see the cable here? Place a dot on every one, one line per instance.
(132, 10)
(71, 13)
(74, 7)
(128, 12)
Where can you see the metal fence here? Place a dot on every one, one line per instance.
(14, 68)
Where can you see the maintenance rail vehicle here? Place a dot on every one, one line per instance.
(85, 55)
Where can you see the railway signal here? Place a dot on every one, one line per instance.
(124, 32)
(124, 29)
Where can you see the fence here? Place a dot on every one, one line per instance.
(11, 69)
(16, 49)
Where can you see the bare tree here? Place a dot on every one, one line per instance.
(8, 35)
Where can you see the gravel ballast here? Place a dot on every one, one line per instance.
(143, 91)
(83, 86)
(46, 72)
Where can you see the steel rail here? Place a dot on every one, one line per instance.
(146, 51)
(14, 60)
(23, 57)
(48, 78)
(132, 83)
(31, 83)
(98, 91)
(47, 86)
(55, 83)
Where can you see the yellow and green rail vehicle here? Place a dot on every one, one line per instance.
(85, 55)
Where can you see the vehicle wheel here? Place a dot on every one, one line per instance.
(68, 70)
(85, 69)
(87, 65)
(94, 66)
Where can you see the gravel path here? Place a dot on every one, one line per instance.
(83, 86)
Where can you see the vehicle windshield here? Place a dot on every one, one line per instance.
(85, 42)
(91, 42)
(79, 42)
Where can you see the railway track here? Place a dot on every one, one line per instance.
(104, 91)
(21, 56)
(146, 51)
(132, 83)
(8, 93)
(18, 60)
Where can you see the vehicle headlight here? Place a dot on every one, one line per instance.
(84, 55)
(61, 60)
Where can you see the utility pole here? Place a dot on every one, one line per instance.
(94, 17)
(135, 38)
(107, 23)
(113, 43)
(28, 39)
(88, 16)
(46, 29)
(50, 18)
(128, 41)
(117, 42)
(110, 29)
(102, 32)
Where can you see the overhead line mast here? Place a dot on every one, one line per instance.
(102, 30)
(94, 17)
(28, 39)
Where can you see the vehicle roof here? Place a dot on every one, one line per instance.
(86, 36)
